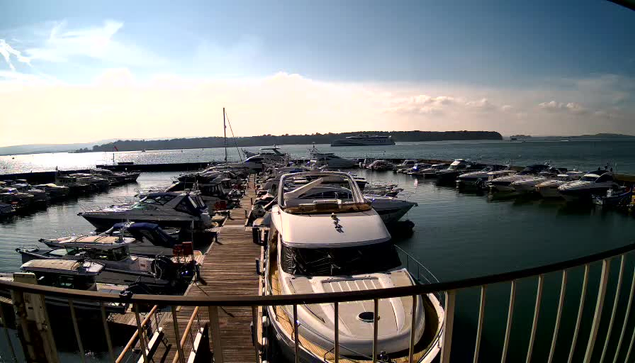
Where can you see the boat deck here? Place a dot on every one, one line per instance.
(228, 268)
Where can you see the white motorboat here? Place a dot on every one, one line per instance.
(430, 172)
(144, 239)
(329, 160)
(595, 183)
(320, 244)
(54, 191)
(404, 166)
(380, 165)
(160, 274)
(390, 209)
(549, 188)
(183, 210)
(69, 274)
(480, 177)
(267, 155)
(503, 183)
(528, 185)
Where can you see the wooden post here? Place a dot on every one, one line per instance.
(34, 329)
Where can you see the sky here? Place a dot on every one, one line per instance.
(81, 71)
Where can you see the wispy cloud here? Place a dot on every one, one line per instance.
(8, 52)
(571, 107)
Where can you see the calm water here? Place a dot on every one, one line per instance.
(456, 235)
(583, 155)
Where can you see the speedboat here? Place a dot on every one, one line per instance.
(458, 166)
(160, 275)
(595, 183)
(404, 166)
(329, 160)
(20, 201)
(39, 196)
(528, 185)
(549, 188)
(478, 178)
(390, 209)
(321, 244)
(54, 191)
(183, 210)
(380, 165)
(618, 198)
(430, 172)
(116, 178)
(503, 183)
(144, 239)
(416, 168)
(364, 140)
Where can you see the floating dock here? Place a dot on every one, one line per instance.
(228, 269)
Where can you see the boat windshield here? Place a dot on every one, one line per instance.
(343, 261)
(589, 178)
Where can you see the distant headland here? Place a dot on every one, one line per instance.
(267, 140)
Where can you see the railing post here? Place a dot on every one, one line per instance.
(585, 283)
(510, 316)
(255, 322)
(534, 325)
(479, 329)
(626, 316)
(604, 278)
(336, 338)
(177, 335)
(614, 310)
(214, 324)
(104, 321)
(78, 336)
(141, 335)
(295, 333)
(450, 299)
(375, 327)
(556, 328)
(413, 329)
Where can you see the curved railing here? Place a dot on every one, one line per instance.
(449, 289)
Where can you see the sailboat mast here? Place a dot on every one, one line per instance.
(225, 135)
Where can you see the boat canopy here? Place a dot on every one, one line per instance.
(63, 267)
(143, 230)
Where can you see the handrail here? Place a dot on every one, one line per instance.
(322, 298)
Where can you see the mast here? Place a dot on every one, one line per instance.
(225, 135)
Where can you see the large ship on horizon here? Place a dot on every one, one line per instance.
(364, 140)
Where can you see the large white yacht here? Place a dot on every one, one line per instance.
(364, 140)
(329, 160)
(318, 244)
(185, 210)
(503, 183)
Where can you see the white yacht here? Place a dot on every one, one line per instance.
(323, 244)
(595, 183)
(364, 140)
(329, 160)
(390, 209)
(160, 275)
(528, 185)
(503, 183)
(267, 155)
(185, 210)
(476, 178)
(549, 188)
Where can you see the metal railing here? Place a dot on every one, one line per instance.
(617, 325)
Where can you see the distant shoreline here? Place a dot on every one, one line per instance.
(268, 140)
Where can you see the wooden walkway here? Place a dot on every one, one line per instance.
(229, 268)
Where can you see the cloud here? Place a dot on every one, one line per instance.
(571, 107)
(7, 51)
(58, 42)
(482, 104)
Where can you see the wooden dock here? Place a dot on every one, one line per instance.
(228, 268)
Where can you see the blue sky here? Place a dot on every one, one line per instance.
(422, 64)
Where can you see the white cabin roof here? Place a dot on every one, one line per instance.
(321, 230)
